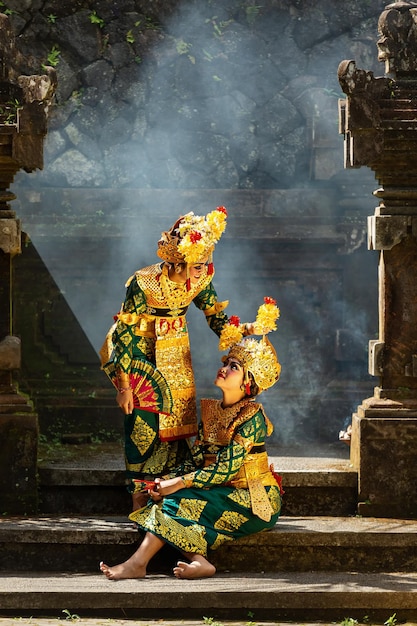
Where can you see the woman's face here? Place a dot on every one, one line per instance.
(230, 375)
(196, 270)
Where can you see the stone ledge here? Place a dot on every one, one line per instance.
(342, 531)
(309, 595)
(296, 543)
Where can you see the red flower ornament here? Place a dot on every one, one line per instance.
(234, 320)
(195, 236)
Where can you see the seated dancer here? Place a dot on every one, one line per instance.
(230, 491)
(147, 351)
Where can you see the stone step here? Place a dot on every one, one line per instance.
(89, 480)
(78, 544)
(291, 596)
(306, 568)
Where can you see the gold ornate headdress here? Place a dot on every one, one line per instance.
(257, 357)
(193, 237)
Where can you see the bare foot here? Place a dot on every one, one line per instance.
(128, 569)
(198, 568)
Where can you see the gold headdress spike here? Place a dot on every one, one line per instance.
(257, 357)
(193, 238)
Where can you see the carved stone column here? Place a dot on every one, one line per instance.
(379, 121)
(24, 104)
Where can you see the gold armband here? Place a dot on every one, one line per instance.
(123, 379)
(216, 308)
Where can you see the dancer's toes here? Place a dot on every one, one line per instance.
(128, 569)
(195, 569)
(105, 569)
(179, 569)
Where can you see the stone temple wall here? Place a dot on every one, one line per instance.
(165, 107)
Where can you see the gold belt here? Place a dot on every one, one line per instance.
(145, 327)
(254, 475)
(160, 327)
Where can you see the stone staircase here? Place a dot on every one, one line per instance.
(320, 562)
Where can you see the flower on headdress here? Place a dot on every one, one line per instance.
(267, 315)
(234, 320)
(195, 236)
(199, 234)
(217, 221)
(231, 333)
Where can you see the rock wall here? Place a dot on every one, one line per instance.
(192, 94)
(165, 107)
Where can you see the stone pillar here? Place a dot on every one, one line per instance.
(24, 103)
(379, 121)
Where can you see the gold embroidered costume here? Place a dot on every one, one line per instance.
(231, 491)
(149, 348)
(153, 328)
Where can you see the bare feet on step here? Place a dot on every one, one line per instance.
(198, 568)
(128, 569)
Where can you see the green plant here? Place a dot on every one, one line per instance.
(95, 19)
(53, 57)
(207, 55)
(76, 97)
(151, 25)
(219, 27)
(130, 35)
(71, 616)
(391, 621)
(8, 111)
(252, 12)
(6, 11)
(211, 621)
(182, 46)
(348, 621)
(51, 18)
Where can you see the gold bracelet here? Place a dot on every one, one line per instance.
(188, 482)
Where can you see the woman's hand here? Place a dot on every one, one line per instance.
(165, 487)
(249, 329)
(124, 399)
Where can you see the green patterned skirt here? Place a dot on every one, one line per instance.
(145, 454)
(197, 520)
